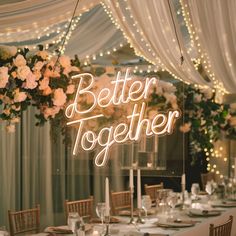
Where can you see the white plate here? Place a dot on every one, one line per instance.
(201, 212)
(173, 224)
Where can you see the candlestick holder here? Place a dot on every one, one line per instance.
(132, 221)
(183, 195)
(140, 219)
(107, 221)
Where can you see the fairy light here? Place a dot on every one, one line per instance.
(157, 61)
(203, 57)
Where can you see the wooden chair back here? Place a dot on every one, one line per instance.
(25, 221)
(83, 207)
(151, 190)
(207, 177)
(120, 201)
(223, 229)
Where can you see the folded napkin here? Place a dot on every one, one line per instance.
(136, 233)
(112, 220)
(58, 229)
(135, 213)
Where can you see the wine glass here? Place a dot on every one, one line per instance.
(73, 220)
(209, 188)
(146, 203)
(195, 189)
(100, 211)
(172, 200)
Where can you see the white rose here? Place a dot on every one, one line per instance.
(197, 98)
(23, 72)
(19, 61)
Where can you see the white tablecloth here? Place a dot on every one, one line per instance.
(200, 229)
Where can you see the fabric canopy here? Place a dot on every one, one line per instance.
(214, 28)
(154, 36)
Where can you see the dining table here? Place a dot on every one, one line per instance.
(182, 221)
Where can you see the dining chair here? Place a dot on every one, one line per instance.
(151, 190)
(207, 177)
(120, 201)
(83, 207)
(25, 221)
(223, 229)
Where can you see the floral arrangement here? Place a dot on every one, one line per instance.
(205, 120)
(38, 79)
(34, 78)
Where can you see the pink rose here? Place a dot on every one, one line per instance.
(64, 61)
(50, 111)
(70, 89)
(31, 81)
(44, 83)
(47, 91)
(232, 121)
(19, 61)
(59, 97)
(3, 76)
(19, 96)
(23, 72)
(15, 120)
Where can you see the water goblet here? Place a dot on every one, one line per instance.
(100, 211)
(146, 203)
(195, 189)
(73, 220)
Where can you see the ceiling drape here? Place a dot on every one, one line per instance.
(150, 30)
(214, 32)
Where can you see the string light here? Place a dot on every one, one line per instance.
(203, 57)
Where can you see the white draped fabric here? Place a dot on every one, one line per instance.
(150, 30)
(214, 24)
(28, 15)
(94, 33)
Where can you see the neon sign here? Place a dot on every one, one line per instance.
(135, 96)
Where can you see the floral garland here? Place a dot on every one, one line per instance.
(35, 78)
(206, 121)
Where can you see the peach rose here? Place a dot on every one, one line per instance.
(70, 89)
(50, 111)
(64, 61)
(47, 91)
(43, 54)
(31, 81)
(10, 128)
(19, 61)
(23, 72)
(38, 66)
(3, 76)
(59, 97)
(19, 96)
(44, 83)
(185, 127)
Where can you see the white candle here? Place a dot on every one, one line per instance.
(131, 179)
(107, 199)
(139, 189)
(183, 180)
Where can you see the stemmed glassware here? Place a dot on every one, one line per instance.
(100, 211)
(146, 203)
(195, 189)
(73, 220)
(172, 200)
